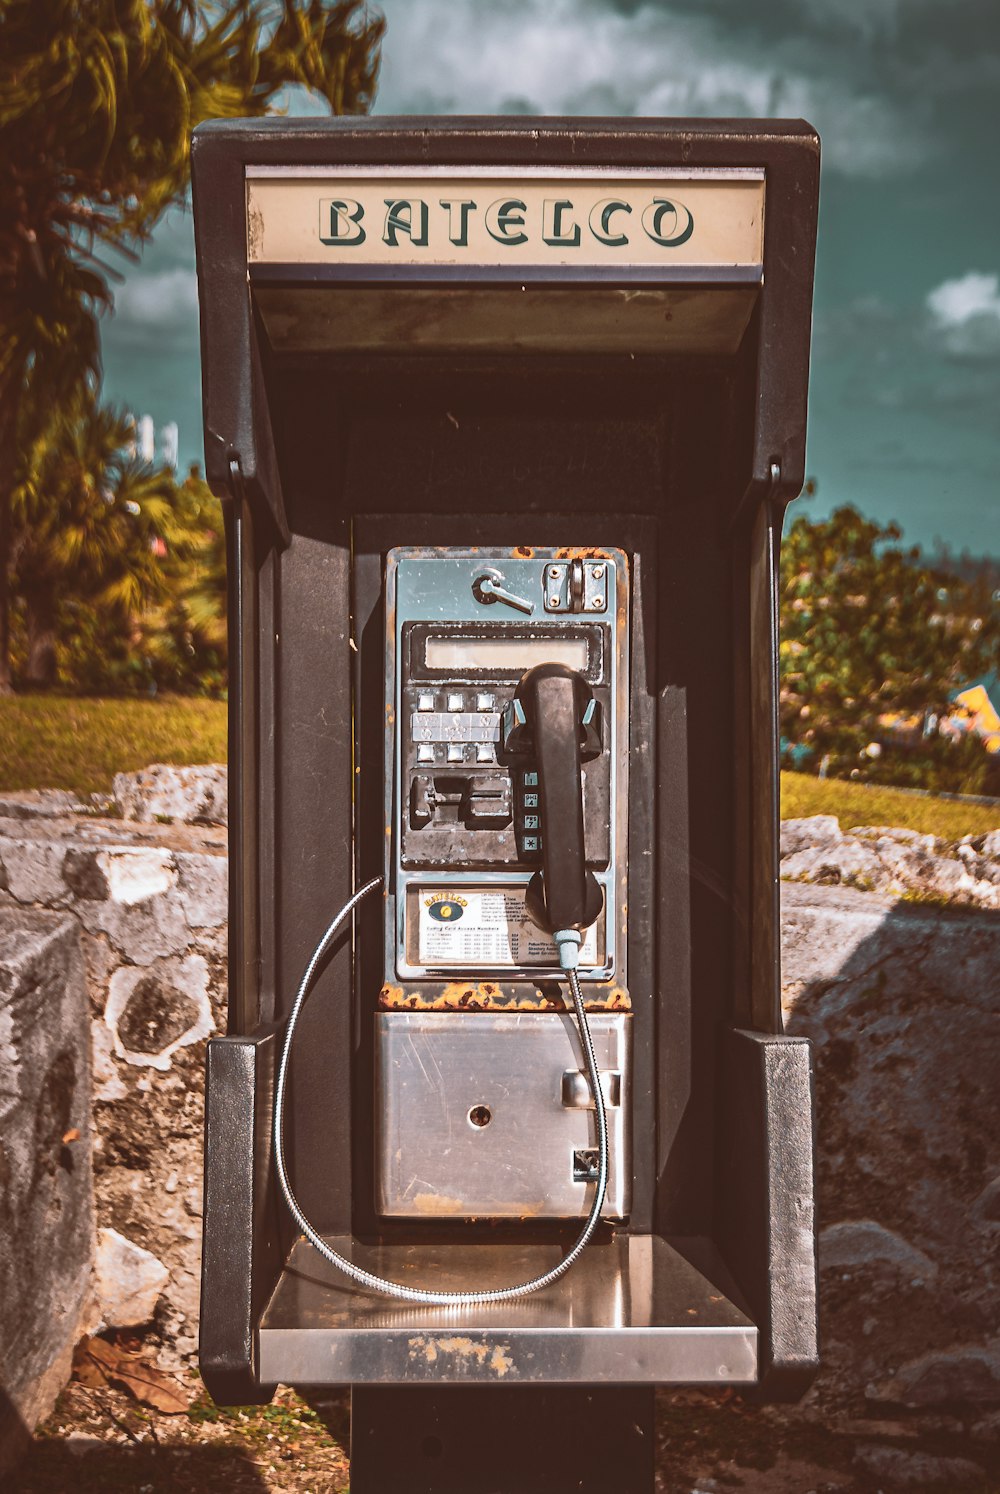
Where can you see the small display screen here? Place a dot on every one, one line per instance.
(453, 652)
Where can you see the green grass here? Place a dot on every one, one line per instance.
(863, 804)
(58, 741)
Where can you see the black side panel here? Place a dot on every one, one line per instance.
(765, 1224)
(241, 1257)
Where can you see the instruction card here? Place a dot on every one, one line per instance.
(489, 927)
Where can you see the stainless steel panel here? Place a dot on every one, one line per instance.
(472, 1120)
(637, 1309)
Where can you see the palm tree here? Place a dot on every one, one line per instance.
(98, 99)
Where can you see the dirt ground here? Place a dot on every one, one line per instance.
(102, 1439)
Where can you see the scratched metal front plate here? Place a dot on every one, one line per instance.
(472, 1119)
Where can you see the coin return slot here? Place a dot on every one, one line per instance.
(480, 1115)
(585, 1165)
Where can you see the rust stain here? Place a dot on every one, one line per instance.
(438, 1203)
(492, 996)
(524, 551)
(468, 997)
(498, 1358)
(582, 552)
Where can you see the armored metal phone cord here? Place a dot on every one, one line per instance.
(568, 951)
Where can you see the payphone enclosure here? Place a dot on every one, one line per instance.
(481, 395)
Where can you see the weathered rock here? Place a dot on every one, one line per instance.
(901, 1002)
(815, 830)
(128, 1281)
(878, 858)
(902, 1469)
(987, 1205)
(967, 1376)
(32, 870)
(203, 889)
(32, 804)
(136, 874)
(152, 1012)
(140, 932)
(183, 796)
(861, 1243)
(845, 863)
(46, 1183)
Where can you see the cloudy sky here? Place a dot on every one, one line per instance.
(905, 396)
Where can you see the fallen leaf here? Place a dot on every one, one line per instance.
(97, 1363)
(94, 1361)
(153, 1388)
(73, 1134)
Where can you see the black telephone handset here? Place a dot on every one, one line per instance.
(554, 718)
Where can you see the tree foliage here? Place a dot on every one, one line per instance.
(873, 637)
(98, 99)
(118, 568)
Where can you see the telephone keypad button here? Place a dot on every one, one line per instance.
(425, 753)
(456, 752)
(425, 703)
(456, 702)
(485, 753)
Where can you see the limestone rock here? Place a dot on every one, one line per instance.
(815, 830)
(987, 1205)
(203, 888)
(128, 1280)
(141, 932)
(896, 862)
(46, 1178)
(968, 1375)
(35, 804)
(840, 863)
(860, 1243)
(187, 796)
(136, 874)
(154, 1011)
(32, 870)
(902, 1469)
(900, 1000)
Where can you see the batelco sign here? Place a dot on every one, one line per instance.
(507, 220)
(641, 218)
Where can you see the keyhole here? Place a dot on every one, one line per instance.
(480, 1115)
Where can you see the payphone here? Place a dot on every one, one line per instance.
(504, 1130)
(508, 764)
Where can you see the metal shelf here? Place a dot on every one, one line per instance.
(635, 1310)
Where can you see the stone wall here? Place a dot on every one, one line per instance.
(46, 1187)
(150, 902)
